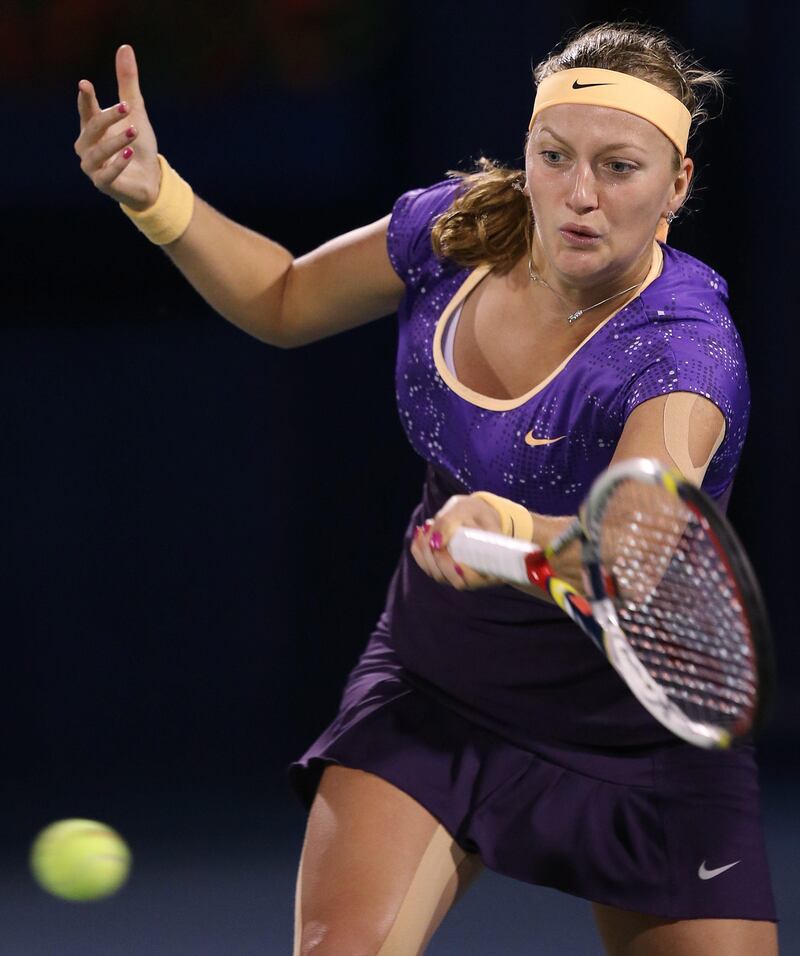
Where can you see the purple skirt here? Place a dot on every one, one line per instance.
(642, 832)
(557, 796)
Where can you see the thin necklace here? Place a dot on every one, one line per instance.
(573, 316)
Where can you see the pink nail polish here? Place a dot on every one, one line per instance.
(459, 570)
(127, 152)
(130, 132)
(436, 541)
(123, 107)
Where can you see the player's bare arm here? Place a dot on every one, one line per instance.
(249, 279)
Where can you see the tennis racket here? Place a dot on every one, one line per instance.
(671, 598)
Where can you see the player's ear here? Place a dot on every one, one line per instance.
(681, 183)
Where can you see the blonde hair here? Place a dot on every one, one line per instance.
(490, 219)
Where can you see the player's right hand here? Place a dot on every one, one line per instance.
(134, 180)
(429, 543)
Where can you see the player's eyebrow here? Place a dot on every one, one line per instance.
(607, 147)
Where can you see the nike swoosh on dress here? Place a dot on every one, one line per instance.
(530, 440)
(705, 874)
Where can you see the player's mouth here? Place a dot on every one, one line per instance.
(580, 237)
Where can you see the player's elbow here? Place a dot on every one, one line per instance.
(264, 315)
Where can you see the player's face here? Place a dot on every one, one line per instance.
(599, 181)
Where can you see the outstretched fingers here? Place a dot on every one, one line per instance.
(97, 144)
(87, 102)
(106, 175)
(117, 145)
(128, 75)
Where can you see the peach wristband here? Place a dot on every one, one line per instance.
(515, 520)
(167, 219)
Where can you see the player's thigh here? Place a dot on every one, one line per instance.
(636, 934)
(377, 872)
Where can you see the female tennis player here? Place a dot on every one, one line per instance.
(546, 330)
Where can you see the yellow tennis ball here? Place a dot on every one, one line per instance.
(80, 859)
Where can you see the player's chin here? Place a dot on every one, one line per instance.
(584, 266)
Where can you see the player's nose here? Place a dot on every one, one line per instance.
(582, 195)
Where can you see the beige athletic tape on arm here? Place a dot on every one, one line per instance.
(680, 409)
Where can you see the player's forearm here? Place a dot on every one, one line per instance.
(240, 273)
(546, 528)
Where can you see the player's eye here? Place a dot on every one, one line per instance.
(617, 166)
(551, 156)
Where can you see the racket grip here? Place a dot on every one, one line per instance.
(493, 554)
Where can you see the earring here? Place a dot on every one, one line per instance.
(671, 217)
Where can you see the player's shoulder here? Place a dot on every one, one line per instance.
(689, 301)
(412, 218)
(686, 287)
(426, 202)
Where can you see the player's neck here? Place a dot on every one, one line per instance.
(595, 300)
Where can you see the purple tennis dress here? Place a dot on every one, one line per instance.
(490, 707)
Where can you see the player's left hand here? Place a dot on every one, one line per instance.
(429, 545)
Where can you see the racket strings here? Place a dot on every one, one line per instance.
(677, 603)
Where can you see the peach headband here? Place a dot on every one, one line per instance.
(619, 91)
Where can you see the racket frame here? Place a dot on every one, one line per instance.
(596, 613)
(732, 554)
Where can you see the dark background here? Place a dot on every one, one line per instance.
(169, 647)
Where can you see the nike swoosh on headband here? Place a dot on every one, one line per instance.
(582, 86)
(530, 440)
(705, 874)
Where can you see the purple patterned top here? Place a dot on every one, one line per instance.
(676, 335)
(506, 660)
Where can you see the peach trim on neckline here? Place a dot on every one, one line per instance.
(506, 404)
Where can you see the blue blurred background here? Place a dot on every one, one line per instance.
(164, 473)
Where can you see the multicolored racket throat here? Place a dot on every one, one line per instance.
(671, 598)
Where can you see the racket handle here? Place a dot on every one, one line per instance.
(521, 562)
(493, 554)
